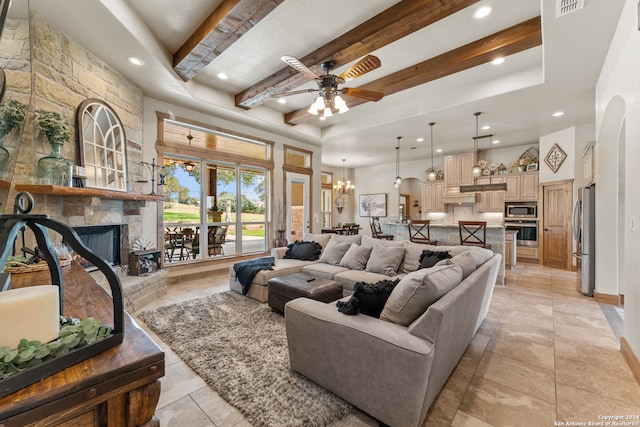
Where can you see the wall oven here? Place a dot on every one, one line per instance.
(521, 210)
(527, 231)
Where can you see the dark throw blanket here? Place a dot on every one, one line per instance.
(247, 270)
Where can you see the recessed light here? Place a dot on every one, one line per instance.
(222, 76)
(558, 114)
(482, 12)
(420, 139)
(485, 127)
(439, 150)
(282, 101)
(135, 61)
(497, 141)
(498, 61)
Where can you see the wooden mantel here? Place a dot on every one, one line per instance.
(58, 190)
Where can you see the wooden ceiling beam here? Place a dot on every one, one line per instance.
(226, 24)
(515, 39)
(400, 20)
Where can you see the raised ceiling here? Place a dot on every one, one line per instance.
(435, 64)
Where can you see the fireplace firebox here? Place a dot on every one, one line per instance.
(104, 241)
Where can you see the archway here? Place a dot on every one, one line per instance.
(610, 200)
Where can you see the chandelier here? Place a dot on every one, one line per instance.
(344, 186)
(431, 172)
(398, 180)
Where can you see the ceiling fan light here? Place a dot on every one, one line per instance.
(319, 103)
(313, 109)
(327, 112)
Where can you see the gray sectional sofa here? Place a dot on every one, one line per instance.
(391, 367)
(405, 253)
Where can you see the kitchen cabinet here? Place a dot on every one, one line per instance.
(528, 253)
(521, 186)
(510, 248)
(457, 171)
(432, 195)
(490, 201)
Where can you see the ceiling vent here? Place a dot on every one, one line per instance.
(565, 7)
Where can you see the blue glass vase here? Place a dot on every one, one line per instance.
(55, 169)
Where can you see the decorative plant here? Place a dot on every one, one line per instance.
(524, 161)
(12, 114)
(53, 126)
(74, 333)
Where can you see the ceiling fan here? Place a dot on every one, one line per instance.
(329, 98)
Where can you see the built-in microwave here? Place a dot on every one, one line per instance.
(521, 210)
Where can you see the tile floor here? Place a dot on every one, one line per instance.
(544, 355)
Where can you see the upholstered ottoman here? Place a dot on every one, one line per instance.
(285, 288)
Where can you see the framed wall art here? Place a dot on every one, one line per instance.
(372, 204)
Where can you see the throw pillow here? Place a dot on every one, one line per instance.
(323, 239)
(385, 260)
(339, 238)
(412, 253)
(356, 257)
(305, 251)
(333, 253)
(368, 298)
(465, 260)
(429, 258)
(417, 291)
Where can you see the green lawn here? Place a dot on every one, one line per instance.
(180, 217)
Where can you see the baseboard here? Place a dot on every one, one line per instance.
(631, 358)
(608, 299)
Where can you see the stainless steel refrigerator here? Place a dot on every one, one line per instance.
(584, 232)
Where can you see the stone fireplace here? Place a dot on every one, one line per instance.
(108, 241)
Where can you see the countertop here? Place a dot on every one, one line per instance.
(441, 225)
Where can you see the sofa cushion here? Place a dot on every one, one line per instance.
(349, 278)
(429, 258)
(305, 251)
(465, 260)
(281, 267)
(412, 252)
(370, 241)
(334, 252)
(385, 259)
(417, 291)
(356, 257)
(339, 238)
(326, 271)
(368, 298)
(323, 239)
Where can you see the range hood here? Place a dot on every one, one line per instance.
(459, 199)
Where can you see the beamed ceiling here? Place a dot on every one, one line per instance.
(435, 65)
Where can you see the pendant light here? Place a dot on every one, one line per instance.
(431, 172)
(398, 180)
(476, 171)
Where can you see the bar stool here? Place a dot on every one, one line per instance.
(376, 230)
(473, 233)
(419, 231)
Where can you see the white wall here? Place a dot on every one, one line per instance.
(617, 92)
(150, 135)
(566, 139)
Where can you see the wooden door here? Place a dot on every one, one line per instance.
(556, 225)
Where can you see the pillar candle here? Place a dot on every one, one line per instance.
(32, 313)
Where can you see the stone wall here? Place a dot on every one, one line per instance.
(65, 73)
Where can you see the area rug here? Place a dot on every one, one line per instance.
(238, 346)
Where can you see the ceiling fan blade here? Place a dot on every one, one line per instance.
(293, 92)
(366, 64)
(299, 66)
(370, 95)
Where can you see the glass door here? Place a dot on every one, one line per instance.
(298, 186)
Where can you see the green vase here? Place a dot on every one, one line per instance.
(55, 169)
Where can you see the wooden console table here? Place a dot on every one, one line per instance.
(119, 387)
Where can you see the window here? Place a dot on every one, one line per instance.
(217, 190)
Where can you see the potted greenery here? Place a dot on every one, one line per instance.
(12, 114)
(54, 169)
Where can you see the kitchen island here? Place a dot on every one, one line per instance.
(449, 235)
